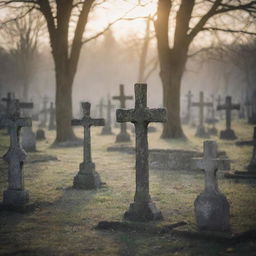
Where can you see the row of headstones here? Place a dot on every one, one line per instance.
(201, 131)
(211, 206)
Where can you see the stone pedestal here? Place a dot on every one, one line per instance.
(212, 212)
(87, 178)
(228, 135)
(15, 198)
(143, 212)
(123, 137)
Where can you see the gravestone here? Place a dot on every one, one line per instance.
(143, 209)
(212, 120)
(123, 136)
(52, 118)
(87, 177)
(44, 113)
(228, 134)
(106, 130)
(189, 101)
(100, 106)
(201, 104)
(28, 138)
(15, 197)
(40, 134)
(211, 206)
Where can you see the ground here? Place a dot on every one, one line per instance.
(64, 221)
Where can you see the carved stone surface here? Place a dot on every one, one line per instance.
(123, 136)
(15, 196)
(201, 132)
(142, 209)
(87, 177)
(211, 206)
(228, 134)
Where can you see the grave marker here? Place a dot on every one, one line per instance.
(87, 177)
(52, 118)
(106, 130)
(143, 209)
(123, 136)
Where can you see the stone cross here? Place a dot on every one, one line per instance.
(44, 111)
(106, 130)
(143, 209)
(189, 97)
(252, 165)
(87, 177)
(201, 104)
(123, 136)
(52, 112)
(228, 134)
(212, 119)
(211, 206)
(8, 101)
(101, 106)
(15, 196)
(219, 101)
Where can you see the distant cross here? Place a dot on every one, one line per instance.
(44, 111)
(15, 194)
(211, 206)
(101, 106)
(107, 128)
(52, 112)
(142, 208)
(123, 136)
(228, 107)
(201, 104)
(189, 97)
(219, 101)
(87, 167)
(8, 101)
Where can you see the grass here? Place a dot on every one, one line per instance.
(64, 222)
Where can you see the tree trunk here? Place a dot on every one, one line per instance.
(63, 106)
(171, 81)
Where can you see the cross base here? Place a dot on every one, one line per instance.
(200, 132)
(87, 178)
(145, 211)
(123, 137)
(212, 211)
(106, 131)
(15, 199)
(213, 131)
(228, 135)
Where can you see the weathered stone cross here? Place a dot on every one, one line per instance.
(15, 196)
(228, 134)
(8, 101)
(44, 111)
(211, 206)
(87, 177)
(143, 209)
(123, 136)
(189, 97)
(106, 130)
(101, 106)
(201, 104)
(212, 119)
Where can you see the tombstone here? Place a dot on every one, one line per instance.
(52, 118)
(143, 209)
(106, 130)
(100, 106)
(219, 102)
(28, 138)
(211, 206)
(201, 104)
(44, 112)
(123, 136)
(228, 134)
(212, 120)
(87, 177)
(40, 134)
(15, 197)
(189, 101)
(8, 100)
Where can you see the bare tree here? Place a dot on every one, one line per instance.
(190, 18)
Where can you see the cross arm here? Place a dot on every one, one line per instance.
(158, 115)
(26, 104)
(76, 122)
(98, 122)
(21, 122)
(123, 115)
(221, 107)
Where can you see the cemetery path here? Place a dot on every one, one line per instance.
(64, 219)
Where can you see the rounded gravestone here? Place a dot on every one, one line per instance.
(40, 134)
(28, 139)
